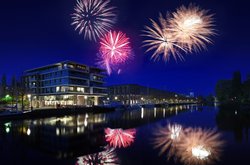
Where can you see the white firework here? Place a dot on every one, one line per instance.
(93, 18)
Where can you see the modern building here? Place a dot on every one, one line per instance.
(65, 83)
(136, 94)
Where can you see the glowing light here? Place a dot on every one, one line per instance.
(162, 41)
(119, 137)
(175, 131)
(7, 129)
(166, 138)
(142, 113)
(192, 27)
(115, 50)
(85, 122)
(107, 157)
(93, 18)
(28, 132)
(199, 146)
(200, 152)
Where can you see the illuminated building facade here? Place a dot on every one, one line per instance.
(65, 83)
(137, 94)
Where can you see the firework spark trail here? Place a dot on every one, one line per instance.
(115, 50)
(192, 27)
(166, 138)
(93, 18)
(107, 157)
(162, 41)
(119, 137)
(199, 146)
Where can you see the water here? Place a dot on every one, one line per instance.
(63, 140)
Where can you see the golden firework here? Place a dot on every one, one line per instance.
(162, 41)
(192, 27)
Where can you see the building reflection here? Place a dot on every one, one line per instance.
(235, 119)
(73, 136)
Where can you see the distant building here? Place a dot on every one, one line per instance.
(65, 83)
(137, 94)
(191, 94)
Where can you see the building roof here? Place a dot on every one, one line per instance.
(59, 64)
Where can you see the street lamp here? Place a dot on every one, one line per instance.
(86, 100)
(116, 98)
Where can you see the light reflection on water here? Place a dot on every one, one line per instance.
(75, 136)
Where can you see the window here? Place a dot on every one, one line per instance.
(57, 89)
(79, 89)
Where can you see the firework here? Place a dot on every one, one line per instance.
(192, 27)
(167, 137)
(162, 41)
(107, 157)
(115, 50)
(119, 137)
(199, 146)
(115, 47)
(93, 18)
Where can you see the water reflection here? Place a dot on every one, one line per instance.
(73, 136)
(119, 137)
(235, 119)
(200, 146)
(107, 157)
(188, 145)
(166, 138)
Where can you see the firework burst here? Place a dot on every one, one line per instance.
(166, 138)
(115, 50)
(162, 41)
(199, 146)
(93, 18)
(115, 47)
(192, 27)
(119, 137)
(107, 157)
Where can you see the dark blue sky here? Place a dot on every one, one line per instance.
(34, 33)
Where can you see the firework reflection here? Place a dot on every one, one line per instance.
(119, 137)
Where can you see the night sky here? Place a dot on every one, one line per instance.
(34, 33)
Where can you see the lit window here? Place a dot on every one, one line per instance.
(80, 89)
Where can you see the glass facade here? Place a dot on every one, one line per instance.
(65, 79)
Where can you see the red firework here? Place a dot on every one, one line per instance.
(115, 48)
(119, 137)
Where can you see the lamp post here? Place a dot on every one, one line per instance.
(86, 100)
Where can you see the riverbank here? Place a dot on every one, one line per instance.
(43, 113)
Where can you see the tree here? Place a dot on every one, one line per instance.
(22, 92)
(4, 86)
(210, 99)
(246, 91)
(224, 90)
(13, 90)
(236, 86)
